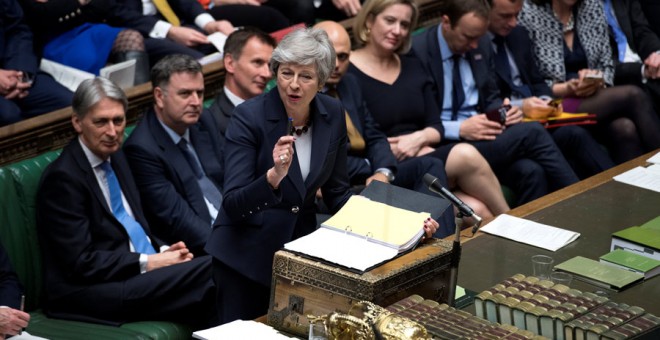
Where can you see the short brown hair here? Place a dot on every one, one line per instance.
(456, 9)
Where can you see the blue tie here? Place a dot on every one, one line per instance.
(133, 228)
(457, 92)
(504, 67)
(619, 36)
(209, 190)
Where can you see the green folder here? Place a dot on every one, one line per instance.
(631, 261)
(599, 274)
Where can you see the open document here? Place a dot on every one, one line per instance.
(364, 233)
(529, 232)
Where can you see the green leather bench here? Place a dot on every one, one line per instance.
(18, 187)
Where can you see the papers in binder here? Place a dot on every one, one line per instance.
(362, 234)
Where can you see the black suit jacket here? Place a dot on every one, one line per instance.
(173, 201)
(427, 48)
(10, 289)
(83, 244)
(54, 17)
(221, 109)
(16, 51)
(377, 149)
(641, 39)
(520, 47)
(255, 221)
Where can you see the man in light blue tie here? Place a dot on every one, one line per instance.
(102, 263)
(175, 154)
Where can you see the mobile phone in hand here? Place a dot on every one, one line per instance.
(593, 77)
(499, 114)
(555, 102)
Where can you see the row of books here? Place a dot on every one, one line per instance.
(445, 322)
(556, 311)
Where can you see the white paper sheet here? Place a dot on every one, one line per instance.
(218, 40)
(343, 249)
(529, 232)
(647, 178)
(27, 336)
(240, 329)
(655, 159)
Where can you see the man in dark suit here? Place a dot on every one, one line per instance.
(24, 90)
(519, 79)
(523, 156)
(247, 54)
(635, 47)
(175, 155)
(102, 263)
(12, 318)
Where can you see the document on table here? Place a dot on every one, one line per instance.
(240, 329)
(529, 232)
(647, 178)
(655, 159)
(27, 336)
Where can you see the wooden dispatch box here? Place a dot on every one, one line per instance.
(302, 286)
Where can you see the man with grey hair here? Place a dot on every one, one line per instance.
(102, 263)
(175, 154)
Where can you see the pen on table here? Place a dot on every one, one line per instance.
(289, 127)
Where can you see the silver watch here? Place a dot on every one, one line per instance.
(387, 172)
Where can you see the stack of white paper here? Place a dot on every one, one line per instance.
(529, 232)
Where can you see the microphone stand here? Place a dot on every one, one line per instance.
(456, 258)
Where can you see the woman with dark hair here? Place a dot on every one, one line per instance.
(572, 49)
(280, 148)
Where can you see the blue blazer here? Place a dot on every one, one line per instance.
(10, 289)
(426, 47)
(378, 150)
(255, 221)
(173, 201)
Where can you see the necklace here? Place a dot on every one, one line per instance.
(569, 26)
(299, 131)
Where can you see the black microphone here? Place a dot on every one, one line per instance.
(434, 185)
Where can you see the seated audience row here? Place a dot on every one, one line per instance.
(240, 180)
(571, 43)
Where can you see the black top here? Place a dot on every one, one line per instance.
(406, 106)
(574, 60)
